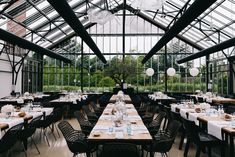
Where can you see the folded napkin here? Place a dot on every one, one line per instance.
(119, 135)
(173, 107)
(101, 128)
(193, 117)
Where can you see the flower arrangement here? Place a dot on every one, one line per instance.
(26, 94)
(7, 108)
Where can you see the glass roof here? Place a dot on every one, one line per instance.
(37, 21)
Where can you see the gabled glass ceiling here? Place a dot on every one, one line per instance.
(44, 26)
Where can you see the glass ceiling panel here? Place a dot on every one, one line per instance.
(219, 17)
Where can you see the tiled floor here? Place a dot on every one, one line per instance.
(59, 148)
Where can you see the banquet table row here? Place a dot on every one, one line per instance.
(130, 128)
(213, 121)
(214, 99)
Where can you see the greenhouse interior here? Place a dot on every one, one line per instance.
(111, 78)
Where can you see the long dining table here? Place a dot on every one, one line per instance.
(214, 123)
(127, 98)
(14, 119)
(106, 130)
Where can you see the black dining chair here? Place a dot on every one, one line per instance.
(44, 124)
(201, 139)
(92, 117)
(57, 117)
(29, 131)
(75, 139)
(10, 138)
(119, 150)
(85, 124)
(163, 140)
(155, 125)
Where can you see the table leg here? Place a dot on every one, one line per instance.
(231, 146)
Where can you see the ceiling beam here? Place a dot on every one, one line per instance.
(25, 44)
(196, 9)
(219, 47)
(63, 8)
(161, 26)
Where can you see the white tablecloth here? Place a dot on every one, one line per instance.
(214, 128)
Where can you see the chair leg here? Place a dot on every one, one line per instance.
(44, 132)
(182, 139)
(186, 147)
(24, 150)
(57, 130)
(53, 133)
(209, 151)
(222, 149)
(166, 154)
(198, 151)
(35, 145)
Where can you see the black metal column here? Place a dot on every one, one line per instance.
(82, 66)
(165, 67)
(230, 78)
(207, 72)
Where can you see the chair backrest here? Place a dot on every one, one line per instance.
(85, 125)
(136, 100)
(10, 137)
(172, 128)
(119, 149)
(57, 114)
(34, 122)
(192, 130)
(75, 140)
(160, 117)
(30, 129)
(86, 108)
(165, 141)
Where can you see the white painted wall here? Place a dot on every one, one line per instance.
(6, 77)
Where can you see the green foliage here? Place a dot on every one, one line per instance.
(107, 82)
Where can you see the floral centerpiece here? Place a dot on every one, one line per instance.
(7, 109)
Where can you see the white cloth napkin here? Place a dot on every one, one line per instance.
(173, 107)
(214, 128)
(101, 128)
(119, 135)
(183, 112)
(193, 117)
(134, 118)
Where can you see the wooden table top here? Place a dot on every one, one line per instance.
(3, 126)
(102, 136)
(205, 119)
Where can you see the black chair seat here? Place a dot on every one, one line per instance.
(207, 138)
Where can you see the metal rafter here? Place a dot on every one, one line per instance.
(63, 8)
(198, 7)
(15, 40)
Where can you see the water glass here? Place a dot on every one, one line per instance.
(128, 127)
(110, 129)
